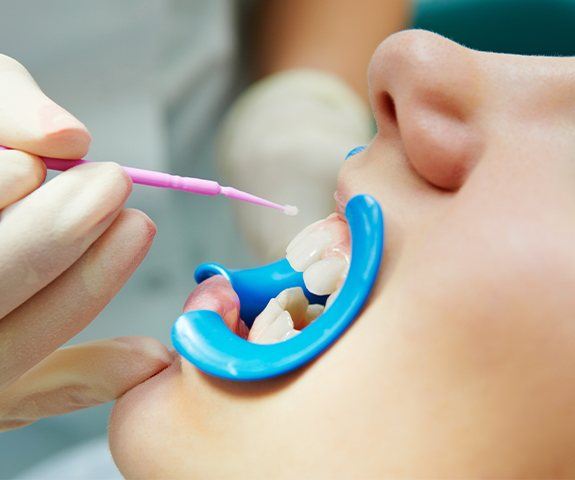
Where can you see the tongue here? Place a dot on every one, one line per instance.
(216, 294)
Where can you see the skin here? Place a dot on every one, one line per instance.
(66, 248)
(462, 363)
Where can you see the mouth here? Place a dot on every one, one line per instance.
(297, 306)
(321, 252)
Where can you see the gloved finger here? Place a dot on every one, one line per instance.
(46, 232)
(31, 121)
(216, 294)
(81, 376)
(300, 123)
(20, 174)
(66, 306)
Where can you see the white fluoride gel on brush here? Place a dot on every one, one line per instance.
(290, 210)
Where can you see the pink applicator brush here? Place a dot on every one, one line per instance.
(198, 186)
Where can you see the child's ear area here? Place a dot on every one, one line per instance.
(423, 91)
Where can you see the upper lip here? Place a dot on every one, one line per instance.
(341, 197)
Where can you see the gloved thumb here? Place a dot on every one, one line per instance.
(81, 376)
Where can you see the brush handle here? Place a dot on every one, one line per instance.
(149, 177)
(199, 186)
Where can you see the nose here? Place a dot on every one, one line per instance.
(424, 89)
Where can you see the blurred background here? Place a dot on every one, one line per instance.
(152, 80)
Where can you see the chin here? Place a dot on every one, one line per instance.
(140, 422)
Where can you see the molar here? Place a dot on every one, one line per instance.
(283, 317)
(295, 302)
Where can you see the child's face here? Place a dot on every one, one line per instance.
(463, 364)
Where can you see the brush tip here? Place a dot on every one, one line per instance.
(290, 210)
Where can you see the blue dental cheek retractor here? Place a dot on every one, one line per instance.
(203, 338)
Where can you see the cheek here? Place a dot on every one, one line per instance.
(498, 286)
(487, 307)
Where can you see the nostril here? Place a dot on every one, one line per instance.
(389, 106)
(387, 109)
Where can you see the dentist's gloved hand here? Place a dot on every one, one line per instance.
(66, 248)
(285, 139)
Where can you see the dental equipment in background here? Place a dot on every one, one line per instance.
(202, 337)
(198, 186)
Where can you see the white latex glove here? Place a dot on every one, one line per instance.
(285, 139)
(66, 248)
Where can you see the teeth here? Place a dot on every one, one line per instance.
(325, 276)
(308, 249)
(321, 252)
(265, 319)
(314, 241)
(312, 312)
(295, 302)
(277, 331)
(301, 235)
(283, 317)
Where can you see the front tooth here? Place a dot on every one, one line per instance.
(323, 277)
(316, 241)
(281, 326)
(295, 302)
(312, 312)
(301, 235)
(309, 229)
(267, 316)
(308, 249)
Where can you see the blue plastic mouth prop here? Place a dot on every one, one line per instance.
(203, 338)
